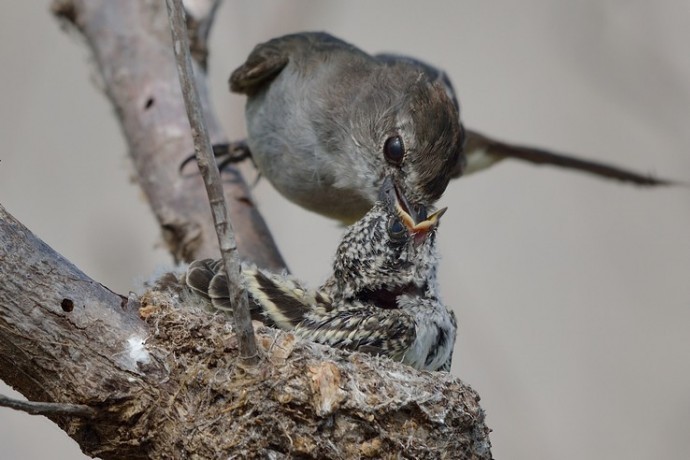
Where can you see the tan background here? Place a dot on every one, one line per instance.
(573, 294)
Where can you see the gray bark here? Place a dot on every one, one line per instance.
(132, 49)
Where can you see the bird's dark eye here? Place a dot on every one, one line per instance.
(396, 230)
(394, 150)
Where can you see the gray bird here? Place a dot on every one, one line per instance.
(326, 122)
(381, 298)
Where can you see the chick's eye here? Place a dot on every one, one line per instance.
(396, 230)
(394, 150)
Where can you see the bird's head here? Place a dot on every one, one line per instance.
(391, 251)
(406, 126)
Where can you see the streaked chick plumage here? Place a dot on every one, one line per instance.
(381, 298)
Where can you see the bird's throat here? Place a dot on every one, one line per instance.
(387, 297)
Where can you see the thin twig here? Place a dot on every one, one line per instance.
(211, 176)
(46, 408)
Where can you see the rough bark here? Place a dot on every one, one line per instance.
(66, 338)
(132, 49)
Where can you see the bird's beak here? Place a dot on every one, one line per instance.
(424, 226)
(414, 218)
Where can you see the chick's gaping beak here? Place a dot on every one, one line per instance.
(414, 218)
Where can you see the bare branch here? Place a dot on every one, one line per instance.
(132, 48)
(67, 339)
(46, 408)
(214, 188)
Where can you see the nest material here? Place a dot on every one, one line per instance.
(303, 399)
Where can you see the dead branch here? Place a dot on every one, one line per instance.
(214, 188)
(68, 339)
(132, 48)
(43, 408)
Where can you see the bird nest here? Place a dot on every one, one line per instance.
(302, 400)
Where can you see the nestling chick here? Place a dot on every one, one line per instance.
(382, 297)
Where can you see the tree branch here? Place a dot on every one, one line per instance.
(68, 339)
(132, 48)
(209, 172)
(44, 408)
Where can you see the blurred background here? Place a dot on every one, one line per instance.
(572, 293)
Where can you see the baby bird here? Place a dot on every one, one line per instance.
(381, 298)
